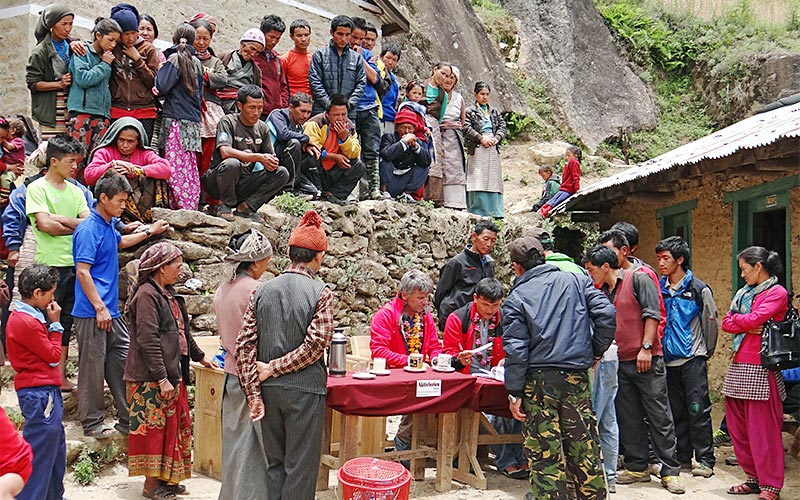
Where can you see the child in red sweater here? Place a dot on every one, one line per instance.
(570, 180)
(34, 350)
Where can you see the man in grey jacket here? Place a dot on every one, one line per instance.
(337, 69)
(548, 320)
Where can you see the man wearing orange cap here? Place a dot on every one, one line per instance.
(405, 156)
(285, 331)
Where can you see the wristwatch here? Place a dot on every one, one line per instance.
(512, 399)
(647, 346)
(148, 233)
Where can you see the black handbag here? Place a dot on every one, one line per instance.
(780, 342)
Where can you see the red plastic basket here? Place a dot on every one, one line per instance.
(367, 478)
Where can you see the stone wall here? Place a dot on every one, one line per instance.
(712, 239)
(371, 246)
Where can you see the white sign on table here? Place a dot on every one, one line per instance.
(429, 388)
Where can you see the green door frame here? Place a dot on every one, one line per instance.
(746, 202)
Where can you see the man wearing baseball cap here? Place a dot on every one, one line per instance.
(285, 331)
(548, 322)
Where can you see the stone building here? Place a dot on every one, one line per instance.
(732, 189)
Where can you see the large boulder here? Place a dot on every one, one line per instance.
(449, 30)
(567, 45)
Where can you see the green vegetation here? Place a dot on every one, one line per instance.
(90, 462)
(15, 416)
(83, 469)
(291, 204)
(674, 50)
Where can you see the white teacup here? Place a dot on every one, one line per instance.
(443, 361)
(415, 361)
(379, 364)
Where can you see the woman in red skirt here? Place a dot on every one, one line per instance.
(156, 372)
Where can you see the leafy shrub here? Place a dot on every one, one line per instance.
(291, 204)
(84, 468)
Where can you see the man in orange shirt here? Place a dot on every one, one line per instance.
(297, 60)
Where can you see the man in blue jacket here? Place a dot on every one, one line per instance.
(548, 320)
(337, 69)
(290, 142)
(690, 338)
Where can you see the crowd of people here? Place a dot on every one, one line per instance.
(185, 128)
(227, 130)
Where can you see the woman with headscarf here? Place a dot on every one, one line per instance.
(215, 77)
(242, 454)
(242, 69)
(124, 148)
(47, 72)
(484, 128)
(156, 373)
(451, 151)
(134, 71)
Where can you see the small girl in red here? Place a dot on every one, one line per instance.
(34, 351)
(570, 180)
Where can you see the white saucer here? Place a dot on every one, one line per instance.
(444, 370)
(364, 376)
(380, 372)
(414, 370)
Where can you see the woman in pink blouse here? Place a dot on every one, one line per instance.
(123, 149)
(753, 394)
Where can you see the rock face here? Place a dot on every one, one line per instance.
(449, 30)
(567, 45)
(370, 247)
(770, 76)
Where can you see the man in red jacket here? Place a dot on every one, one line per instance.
(34, 351)
(273, 79)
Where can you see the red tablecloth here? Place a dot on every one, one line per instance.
(396, 394)
(489, 396)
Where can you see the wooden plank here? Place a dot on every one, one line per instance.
(210, 384)
(469, 427)
(372, 437)
(326, 465)
(444, 457)
(417, 432)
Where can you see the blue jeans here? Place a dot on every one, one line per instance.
(43, 410)
(507, 454)
(603, 394)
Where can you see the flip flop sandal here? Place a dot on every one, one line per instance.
(100, 432)
(178, 489)
(160, 493)
(746, 488)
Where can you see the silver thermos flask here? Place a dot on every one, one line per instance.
(337, 354)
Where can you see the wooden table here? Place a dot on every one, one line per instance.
(489, 396)
(392, 395)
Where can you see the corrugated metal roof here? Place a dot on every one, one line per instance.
(756, 131)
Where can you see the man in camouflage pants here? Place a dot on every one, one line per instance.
(548, 319)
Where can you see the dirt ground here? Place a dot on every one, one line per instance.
(114, 484)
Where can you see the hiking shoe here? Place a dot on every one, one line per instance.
(721, 438)
(673, 484)
(703, 470)
(731, 460)
(630, 477)
(612, 486)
